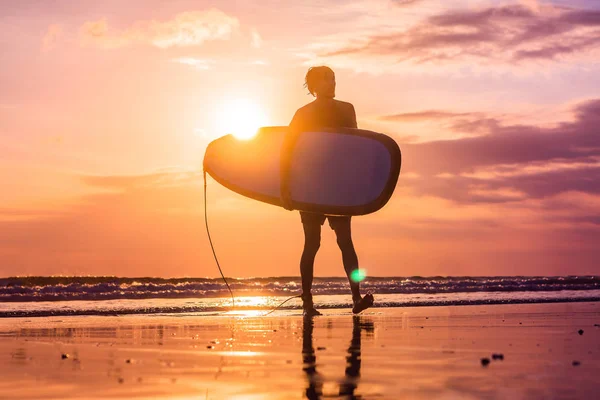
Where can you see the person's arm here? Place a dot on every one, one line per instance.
(295, 122)
(353, 119)
(348, 115)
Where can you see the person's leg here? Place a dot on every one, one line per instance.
(312, 241)
(341, 226)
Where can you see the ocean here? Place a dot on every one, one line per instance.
(35, 296)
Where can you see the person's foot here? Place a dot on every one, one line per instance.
(363, 304)
(310, 312)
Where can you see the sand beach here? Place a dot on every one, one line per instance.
(517, 351)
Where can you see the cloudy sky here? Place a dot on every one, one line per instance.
(106, 109)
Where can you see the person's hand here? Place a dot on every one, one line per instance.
(286, 200)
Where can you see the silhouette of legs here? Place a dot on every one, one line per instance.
(312, 242)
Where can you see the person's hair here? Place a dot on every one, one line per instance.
(314, 75)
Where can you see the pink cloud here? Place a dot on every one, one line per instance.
(402, 3)
(191, 28)
(53, 34)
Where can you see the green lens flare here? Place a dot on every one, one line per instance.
(358, 275)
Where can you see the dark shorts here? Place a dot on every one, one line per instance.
(335, 221)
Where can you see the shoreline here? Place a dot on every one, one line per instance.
(200, 310)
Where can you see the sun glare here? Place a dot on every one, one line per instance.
(241, 117)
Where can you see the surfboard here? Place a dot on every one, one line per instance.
(332, 171)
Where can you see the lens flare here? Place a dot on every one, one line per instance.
(358, 275)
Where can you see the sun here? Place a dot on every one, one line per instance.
(241, 117)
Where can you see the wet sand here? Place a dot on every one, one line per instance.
(422, 353)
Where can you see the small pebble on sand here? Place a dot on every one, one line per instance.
(498, 356)
(576, 363)
(580, 331)
(321, 348)
(485, 361)
(64, 356)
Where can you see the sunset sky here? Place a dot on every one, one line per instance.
(106, 109)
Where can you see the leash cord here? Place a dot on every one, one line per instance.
(217, 260)
(211, 244)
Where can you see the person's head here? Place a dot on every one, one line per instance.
(320, 82)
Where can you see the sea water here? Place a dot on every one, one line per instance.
(54, 296)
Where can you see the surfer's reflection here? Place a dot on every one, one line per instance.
(314, 390)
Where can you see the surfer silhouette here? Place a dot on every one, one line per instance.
(324, 112)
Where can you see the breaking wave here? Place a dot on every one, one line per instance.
(43, 288)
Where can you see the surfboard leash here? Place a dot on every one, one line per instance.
(217, 260)
(211, 244)
(293, 297)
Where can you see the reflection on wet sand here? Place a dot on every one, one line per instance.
(435, 349)
(347, 387)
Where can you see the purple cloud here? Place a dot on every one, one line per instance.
(423, 115)
(534, 161)
(508, 34)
